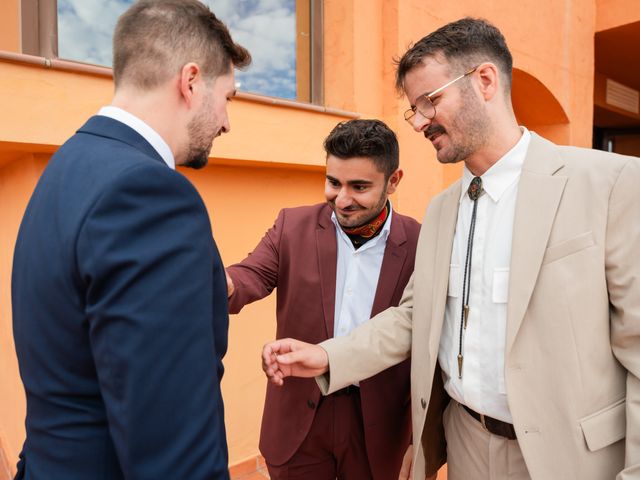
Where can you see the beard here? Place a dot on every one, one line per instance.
(367, 214)
(200, 138)
(470, 127)
(197, 158)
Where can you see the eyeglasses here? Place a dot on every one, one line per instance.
(424, 104)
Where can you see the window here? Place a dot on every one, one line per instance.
(280, 34)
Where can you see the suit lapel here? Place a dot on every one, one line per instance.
(539, 194)
(395, 254)
(446, 230)
(327, 249)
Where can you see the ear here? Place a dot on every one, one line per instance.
(489, 80)
(394, 180)
(189, 77)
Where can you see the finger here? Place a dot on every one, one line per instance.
(268, 354)
(290, 358)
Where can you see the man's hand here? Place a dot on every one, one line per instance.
(406, 470)
(288, 357)
(230, 286)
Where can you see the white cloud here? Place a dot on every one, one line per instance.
(266, 27)
(85, 29)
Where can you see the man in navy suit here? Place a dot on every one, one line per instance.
(119, 293)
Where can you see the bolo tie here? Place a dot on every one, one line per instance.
(474, 191)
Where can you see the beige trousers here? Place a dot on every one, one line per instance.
(475, 454)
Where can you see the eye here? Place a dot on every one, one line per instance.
(333, 182)
(435, 99)
(360, 188)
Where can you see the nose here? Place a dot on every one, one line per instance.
(226, 125)
(343, 199)
(419, 122)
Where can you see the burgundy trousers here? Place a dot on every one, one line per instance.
(334, 448)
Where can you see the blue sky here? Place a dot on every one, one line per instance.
(266, 27)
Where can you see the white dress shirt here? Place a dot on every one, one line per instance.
(357, 276)
(148, 133)
(482, 387)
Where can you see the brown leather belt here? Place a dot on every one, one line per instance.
(492, 425)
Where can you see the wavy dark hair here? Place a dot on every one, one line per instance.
(464, 43)
(365, 138)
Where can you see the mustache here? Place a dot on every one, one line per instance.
(350, 208)
(433, 130)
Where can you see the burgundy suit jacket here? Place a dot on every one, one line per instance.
(299, 255)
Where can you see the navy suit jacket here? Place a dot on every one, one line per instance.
(120, 317)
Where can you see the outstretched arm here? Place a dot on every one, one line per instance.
(256, 276)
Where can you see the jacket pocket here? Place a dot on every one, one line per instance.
(568, 247)
(605, 426)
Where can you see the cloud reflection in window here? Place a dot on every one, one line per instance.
(266, 27)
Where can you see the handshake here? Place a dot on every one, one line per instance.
(288, 357)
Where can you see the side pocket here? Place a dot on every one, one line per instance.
(605, 426)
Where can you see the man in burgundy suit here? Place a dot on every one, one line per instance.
(335, 264)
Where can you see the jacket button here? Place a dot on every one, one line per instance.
(311, 404)
(423, 402)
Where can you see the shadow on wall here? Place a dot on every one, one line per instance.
(538, 109)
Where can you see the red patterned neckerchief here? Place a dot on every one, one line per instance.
(371, 229)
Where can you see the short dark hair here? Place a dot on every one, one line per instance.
(365, 138)
(464, 44)
(154, 39)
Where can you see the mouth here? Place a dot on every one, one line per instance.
(345, 212)
(433, 133)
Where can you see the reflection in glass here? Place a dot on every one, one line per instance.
(266, 27)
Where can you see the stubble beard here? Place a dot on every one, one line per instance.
(471, 127)
(200, 139)
(355, 223)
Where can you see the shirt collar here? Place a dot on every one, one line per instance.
(503, 173)
(384, 233)
(142, 128)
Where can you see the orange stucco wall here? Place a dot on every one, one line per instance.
(10, 25)
(273, 156)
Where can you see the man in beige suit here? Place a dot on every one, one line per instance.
(526, 289)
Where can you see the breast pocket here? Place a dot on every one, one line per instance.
(500, 288)
(568, 247)
(455, 281)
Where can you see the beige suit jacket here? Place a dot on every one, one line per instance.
(572, 364)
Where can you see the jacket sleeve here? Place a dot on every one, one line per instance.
(622, 265)
(256, 276)
(145, 256)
